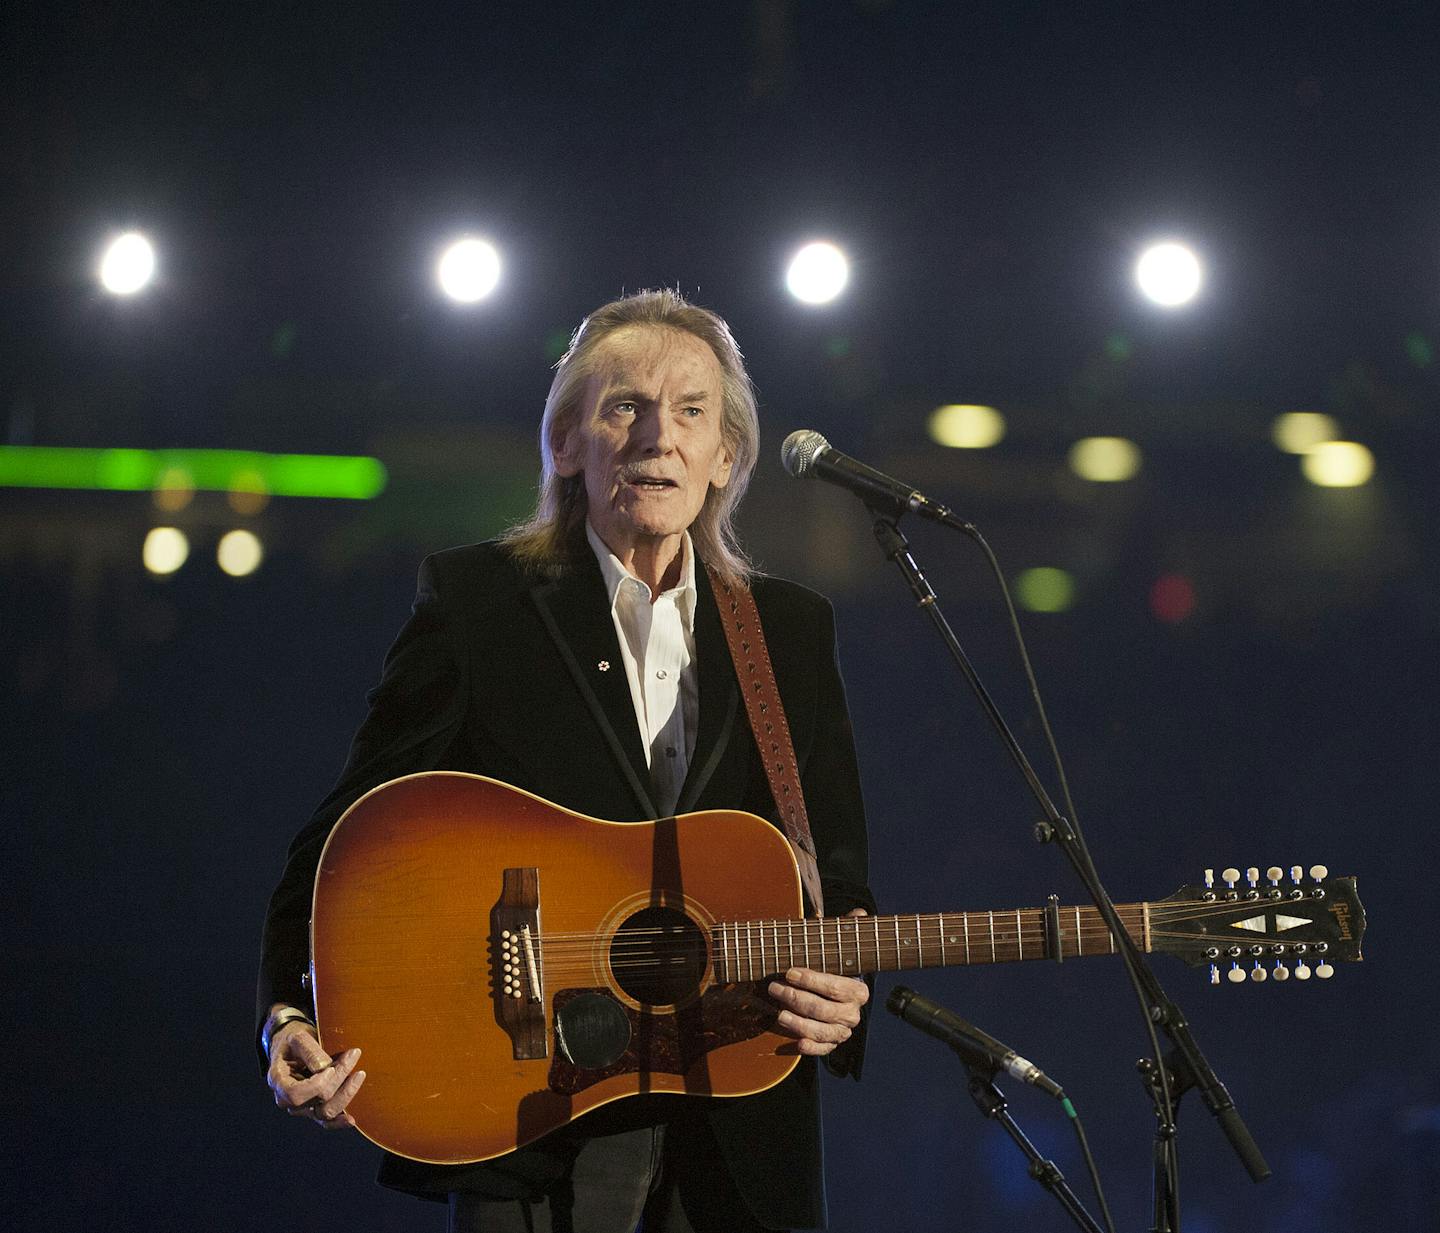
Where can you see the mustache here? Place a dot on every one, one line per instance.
(631, 471)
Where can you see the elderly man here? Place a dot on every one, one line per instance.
(581, 657)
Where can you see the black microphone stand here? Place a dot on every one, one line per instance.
(990, 1100)
(1185, 1066)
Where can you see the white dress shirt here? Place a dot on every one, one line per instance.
(657, 643)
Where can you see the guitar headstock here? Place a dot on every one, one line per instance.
(1259, 926)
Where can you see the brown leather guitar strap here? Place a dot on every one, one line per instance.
(746, 639)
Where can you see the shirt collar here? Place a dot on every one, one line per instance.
(616, 575)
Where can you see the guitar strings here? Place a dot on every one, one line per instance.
(636, 950)
(846, 927)
(755, 933)
(738, 946)
(864, 931)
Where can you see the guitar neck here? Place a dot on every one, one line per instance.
(857, 945)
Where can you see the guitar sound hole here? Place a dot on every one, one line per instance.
(658, 956)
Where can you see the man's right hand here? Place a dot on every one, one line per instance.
(307, 1081)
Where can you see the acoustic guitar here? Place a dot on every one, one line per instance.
(507, 965)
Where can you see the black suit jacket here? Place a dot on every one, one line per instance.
(498, 672)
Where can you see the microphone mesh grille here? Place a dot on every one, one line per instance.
(800, 450)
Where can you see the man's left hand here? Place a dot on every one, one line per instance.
(819, 1009)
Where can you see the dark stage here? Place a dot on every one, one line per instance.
(1236, 647)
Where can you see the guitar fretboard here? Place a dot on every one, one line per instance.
(854, 945)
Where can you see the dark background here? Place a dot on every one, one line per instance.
(992, 170)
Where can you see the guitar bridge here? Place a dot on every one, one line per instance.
(517, 985)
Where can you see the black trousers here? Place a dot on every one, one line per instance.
(670, 1176)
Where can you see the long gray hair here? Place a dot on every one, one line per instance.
(547, 540)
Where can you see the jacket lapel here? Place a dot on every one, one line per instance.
(576, 613)
(719, 694)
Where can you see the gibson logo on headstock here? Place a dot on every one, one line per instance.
(1341, 912)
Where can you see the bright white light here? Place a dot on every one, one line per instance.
(239, 553)
(1168, 274)
(165, 550)
(1105, 460)
(817, 273)
(966, 426)
(128, 264)
(1338, 464)
(468, 270)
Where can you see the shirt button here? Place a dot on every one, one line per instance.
(661, 674)
(669, 751)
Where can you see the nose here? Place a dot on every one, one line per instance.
(657, 433)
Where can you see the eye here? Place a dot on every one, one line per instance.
(693, 412)
(623, 408)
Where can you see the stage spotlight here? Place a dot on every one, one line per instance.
(817, 273)
(1338, 464)
(165, 550)
(1169, 274)
(239, 553)
(1105, 460)
(1299, 432)
(128, 264)
(964, 426)
(468, 270)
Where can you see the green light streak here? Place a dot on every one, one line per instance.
(349, 477)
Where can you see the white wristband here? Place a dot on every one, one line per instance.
(277, 1020)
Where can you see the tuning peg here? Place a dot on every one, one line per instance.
(1209, 879)
(1214, 975)
(1295, 873)
(1281, 971)
(1323, 970)
(1230, 876)
(1257, 972)
(1274, 873)
(1252, 875)
(1319, 872)
(1302, 970)
(1236, 974)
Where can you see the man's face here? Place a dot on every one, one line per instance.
(647, 438)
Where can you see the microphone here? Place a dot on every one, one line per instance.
(806, 453)
(973, 1045)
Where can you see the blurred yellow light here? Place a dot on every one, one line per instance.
(165, 550)
(1105, 460)
(1045, 589)
(1338, 464)
(174, 489)
(964, 426)
(1299, 432)
(239, 553)
(249, 493)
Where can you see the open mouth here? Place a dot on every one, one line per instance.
(647, 483)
